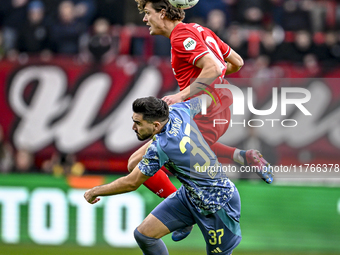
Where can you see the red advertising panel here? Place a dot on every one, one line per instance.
(86, 110)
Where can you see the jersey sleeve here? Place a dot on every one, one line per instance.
(150, 163)
(188, 46)
(225, 48)
(193, 106)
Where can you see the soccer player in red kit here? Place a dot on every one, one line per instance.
(199, 60)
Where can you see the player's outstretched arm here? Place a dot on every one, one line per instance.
(210, 71)
(234, 62)
(124, 184)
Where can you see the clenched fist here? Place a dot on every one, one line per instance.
(92, 199)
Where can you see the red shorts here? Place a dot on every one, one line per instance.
(216, 111)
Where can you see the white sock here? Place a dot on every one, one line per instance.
(238, 157)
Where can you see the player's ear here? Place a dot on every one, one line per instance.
(163, 13)
(157, 126)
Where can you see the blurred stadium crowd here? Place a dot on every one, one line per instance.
(266, 33)
(22, 161)
(304, 32)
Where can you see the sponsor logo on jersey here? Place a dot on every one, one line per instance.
(189, 44)
(217, 250)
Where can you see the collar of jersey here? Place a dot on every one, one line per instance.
(165, 126)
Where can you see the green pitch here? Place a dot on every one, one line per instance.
(74, 250)
(275, 220)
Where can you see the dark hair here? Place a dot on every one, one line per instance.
(171, 12)
(152, 108)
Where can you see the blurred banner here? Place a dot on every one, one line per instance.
(46, 210)
(85, 110)
(78, 109)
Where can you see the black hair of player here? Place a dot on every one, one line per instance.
(152, 108)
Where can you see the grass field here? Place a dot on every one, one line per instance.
(75, 250)
(272, 222)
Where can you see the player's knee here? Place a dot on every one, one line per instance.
(142, 239)
(136, 234)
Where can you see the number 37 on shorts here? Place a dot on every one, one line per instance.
(216, 236)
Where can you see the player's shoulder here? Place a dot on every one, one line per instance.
(183, 28)
(171, 133)
(177, 116)
(193, 30)
(186, 36)
(151, 151)
(180, 108)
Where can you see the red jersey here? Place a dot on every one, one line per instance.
(190, 42)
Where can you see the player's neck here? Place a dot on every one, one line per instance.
(163, 123)
(169, 27)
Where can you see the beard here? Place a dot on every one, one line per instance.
(143, 138)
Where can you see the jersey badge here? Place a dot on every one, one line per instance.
(189, 44)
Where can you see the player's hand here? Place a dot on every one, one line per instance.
(88, 195)
(173, 99)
